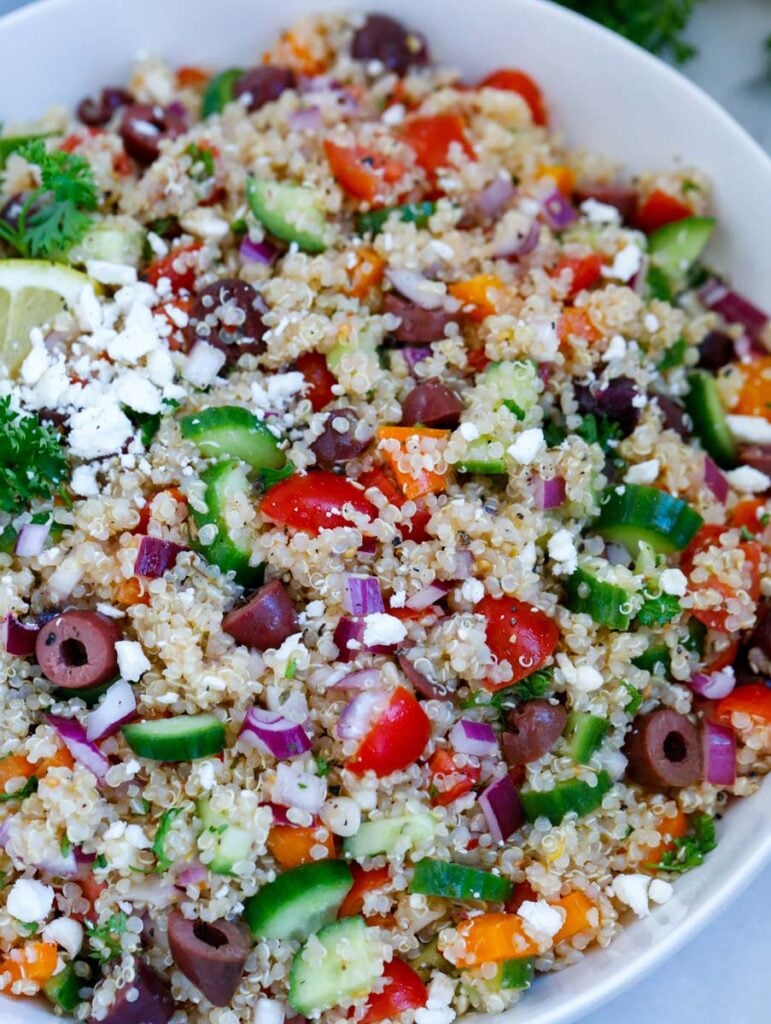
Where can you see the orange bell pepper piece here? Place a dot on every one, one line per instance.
(490, 938)
(745, 513)
(476, 292)
(577, 907)
(576, 322)
(131, 591)
(14, 767)
(410, 442)
(366, 274)
(669, 829)
(189, 76)
(755, 395)
(61, 759)
(291, 845)
(363, 883)
(753, 699)
(563, 177)
(35, 961)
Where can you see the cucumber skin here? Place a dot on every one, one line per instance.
(223, 551)
(572, 795)
(219, 91)
(458, 882)
(643, 513)
(231, 431)
(410, 213)
(586, 733)
(273, 214)
(63, 989)
(382, 834)
(602, 603)
(283, 898)
(678, 243)
(705, 409)
(313, 989)
(517, 973)
(208, 741)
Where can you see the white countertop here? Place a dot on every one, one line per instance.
(724, 975)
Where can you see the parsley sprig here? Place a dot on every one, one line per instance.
(56, 215)
(689, 851)
(33, 463)
(536, 685)
(105, 940)
(656, 25)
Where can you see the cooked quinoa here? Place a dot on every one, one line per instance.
(383, 542)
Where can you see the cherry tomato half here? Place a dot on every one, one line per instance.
(661, 208)
(448, 781)
(518, 633)
(415, 528)
(321, 380)
(180, 266)
(707, 537)
(314, 502)
(586, 271)
(511, 80)
(363, 882)
(404, 990)
(753, 699)
(361, 172)
(432, 137)
(397, 738)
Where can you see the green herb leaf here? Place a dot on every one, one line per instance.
(599, 430)
(674, 355)
(203, 166)
(33, 463)
(656, 25)
(634, 703)
(22, 793)
(689, 851)
(322, 767)
(656, 611)
(104, 940)
(159, 843)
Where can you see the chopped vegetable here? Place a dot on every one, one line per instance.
(690, 850)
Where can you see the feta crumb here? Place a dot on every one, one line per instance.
(278, 391)
(752, 429)
(626, 263)
(269, 1011)
(106, 272)
(315, 609)
(138, 393)
(399, 599)
(160, 368)
(110, 611)
(600, 213)
(748, 480)
(469, 431)
(137, 339)
(633, 891)
(36, 364)
(542, 917)
(584, 678)
(203, 364)
(472, 590)
(651, 322)
(673, 581)
(527, 446)
(132, 660)
(29, 900)
(65, 932)
(660, 891)
(341, 815)
(100, 429)
(83, 482)
(562, 549)
(616, 348)
(204, 223)
(640, 400)
(394, 114)
(381, 628)
(643, 472)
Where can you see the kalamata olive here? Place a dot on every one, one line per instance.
(624, 199)
(416, 324)
(756, 455)
(264, 84)
(228, 314)
(266, 620)
(386, 40)
(664, 750)
(76, 649)
(340, 441)
(97, 112)
(614, 402)
(433, 404)
(673, 415)
(716, 349)
(210, 954)
(142, 127)
(145, 1000)
(424, 686)
(531, 731)
(758, 644)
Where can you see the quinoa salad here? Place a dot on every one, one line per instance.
(384, 541)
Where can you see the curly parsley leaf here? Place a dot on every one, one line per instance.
(689, 851)
(159, 843)
(673, 356)
(33, 463)
(105, 940)
(657, 611)
(636, 698)
(656, 25)
(599, 430)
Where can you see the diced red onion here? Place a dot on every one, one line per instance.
(470, 737)
(31, 539)
(307, 120)
(492, 199)
(719, 754)
(518, 244)
(303, 790)
(429, 595)
(191, 874)
(733, 307)
(415, 287)
(425, 687)
(348, 638)
(73, 736)
(558, 210)
(414, 354)
(715, 480)
(203, 364)
(549, 493)
(360, 714)
(64, 865)
(502, 808)
(257, 252)
(156, 556)
(464, 563)
(274, 734)
(545, 370)
(714, 686)
(280, 816)
(20, 637)
(362, 595)
(117, 706)
(361, 680)
(177, 110)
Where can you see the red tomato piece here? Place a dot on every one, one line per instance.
(511, 80)
(415, 529)
(477, 360)
(397, 738)
(404, 990)
(432, 137)
(361, 171)
(321, 380)
(363, 883)
(179, 265)
(724, 659)
(523, 893)
(586, 271)
(314, 502)
(448, 782)
(661, 208)
(707, 537)
(753, 699)
(518, 633)
(746, 512)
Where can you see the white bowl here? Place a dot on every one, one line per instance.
(605, 95)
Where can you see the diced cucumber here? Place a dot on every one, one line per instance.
(430, 959)
(363, 341)
(383, 834)
(709, 418)
(479, 458)
(458, 882)
(654, 655)
(606, 602)
(63, 989)
(290, 212)
(516, 973)
(348, 970)
(234, 844)
(645, 514)
(374, 221)
(299, 901)
(674, 248)
(234, 432)
(584, 734)
(219, 91)
(180, 738)
(114, 240)
(226, 482)
(570, 795)
(515, 383)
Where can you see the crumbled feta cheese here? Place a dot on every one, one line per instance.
(438, 1010)
(65, 932)
(543, 919)
(29, 900)
(138, 393)
(132, 661)
(626, 263)
(110, 610)
(562, 549)
(137, 339)
(341, 815)
(527, 446)
(639, 401)
(88, 310)
(469, 431)
(651, 322)
(36, 364)
(748, 480)
(278, 391)
(203, 364)
(616, 348)
(751, 429)
(160, 368)
(633, 891)
(600, 213)
(269, 1011)
(106, 272)
(399, 599)
(442, 249)
(660, 891)
(381, 628)
(394, 114)
(673, 581)
(315, 609)
(472, 590)
(585, 678)
(643, 472)
(83, 482)
(204, 223)
(100, 429)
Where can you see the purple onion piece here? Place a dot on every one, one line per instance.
(31, 539)
(156, 556)
(19, 637)
(470, 737)
(349, 639)
(719, 746)
(549, 493)
(257, 252)
(427, 596)
(274, 734)
(117, 706)
(307, 120)
(360, 714)
(714, 686)
(362, 595)
(715, 480)
(491, 200)
(502, 809)
(424, 686)
(73, 736)
(558, 210)
(733, 307)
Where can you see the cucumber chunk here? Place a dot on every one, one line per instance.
(233, 432)
(644, 514)
(674, 248)
(608, 603)
(655, 655)
(226, 483)
(571, 795)
(480, 459)
(373, 221)
(181, 738)
(114, 240)
(290, 212)
(429, 959)
(584, 734)
(348, 970)
(458, 882)
(383, 835)
(299, 901)
(515, 383)
(234, 843)
(709, 418)
(516, 973)
(219, 91)
(63, 989)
